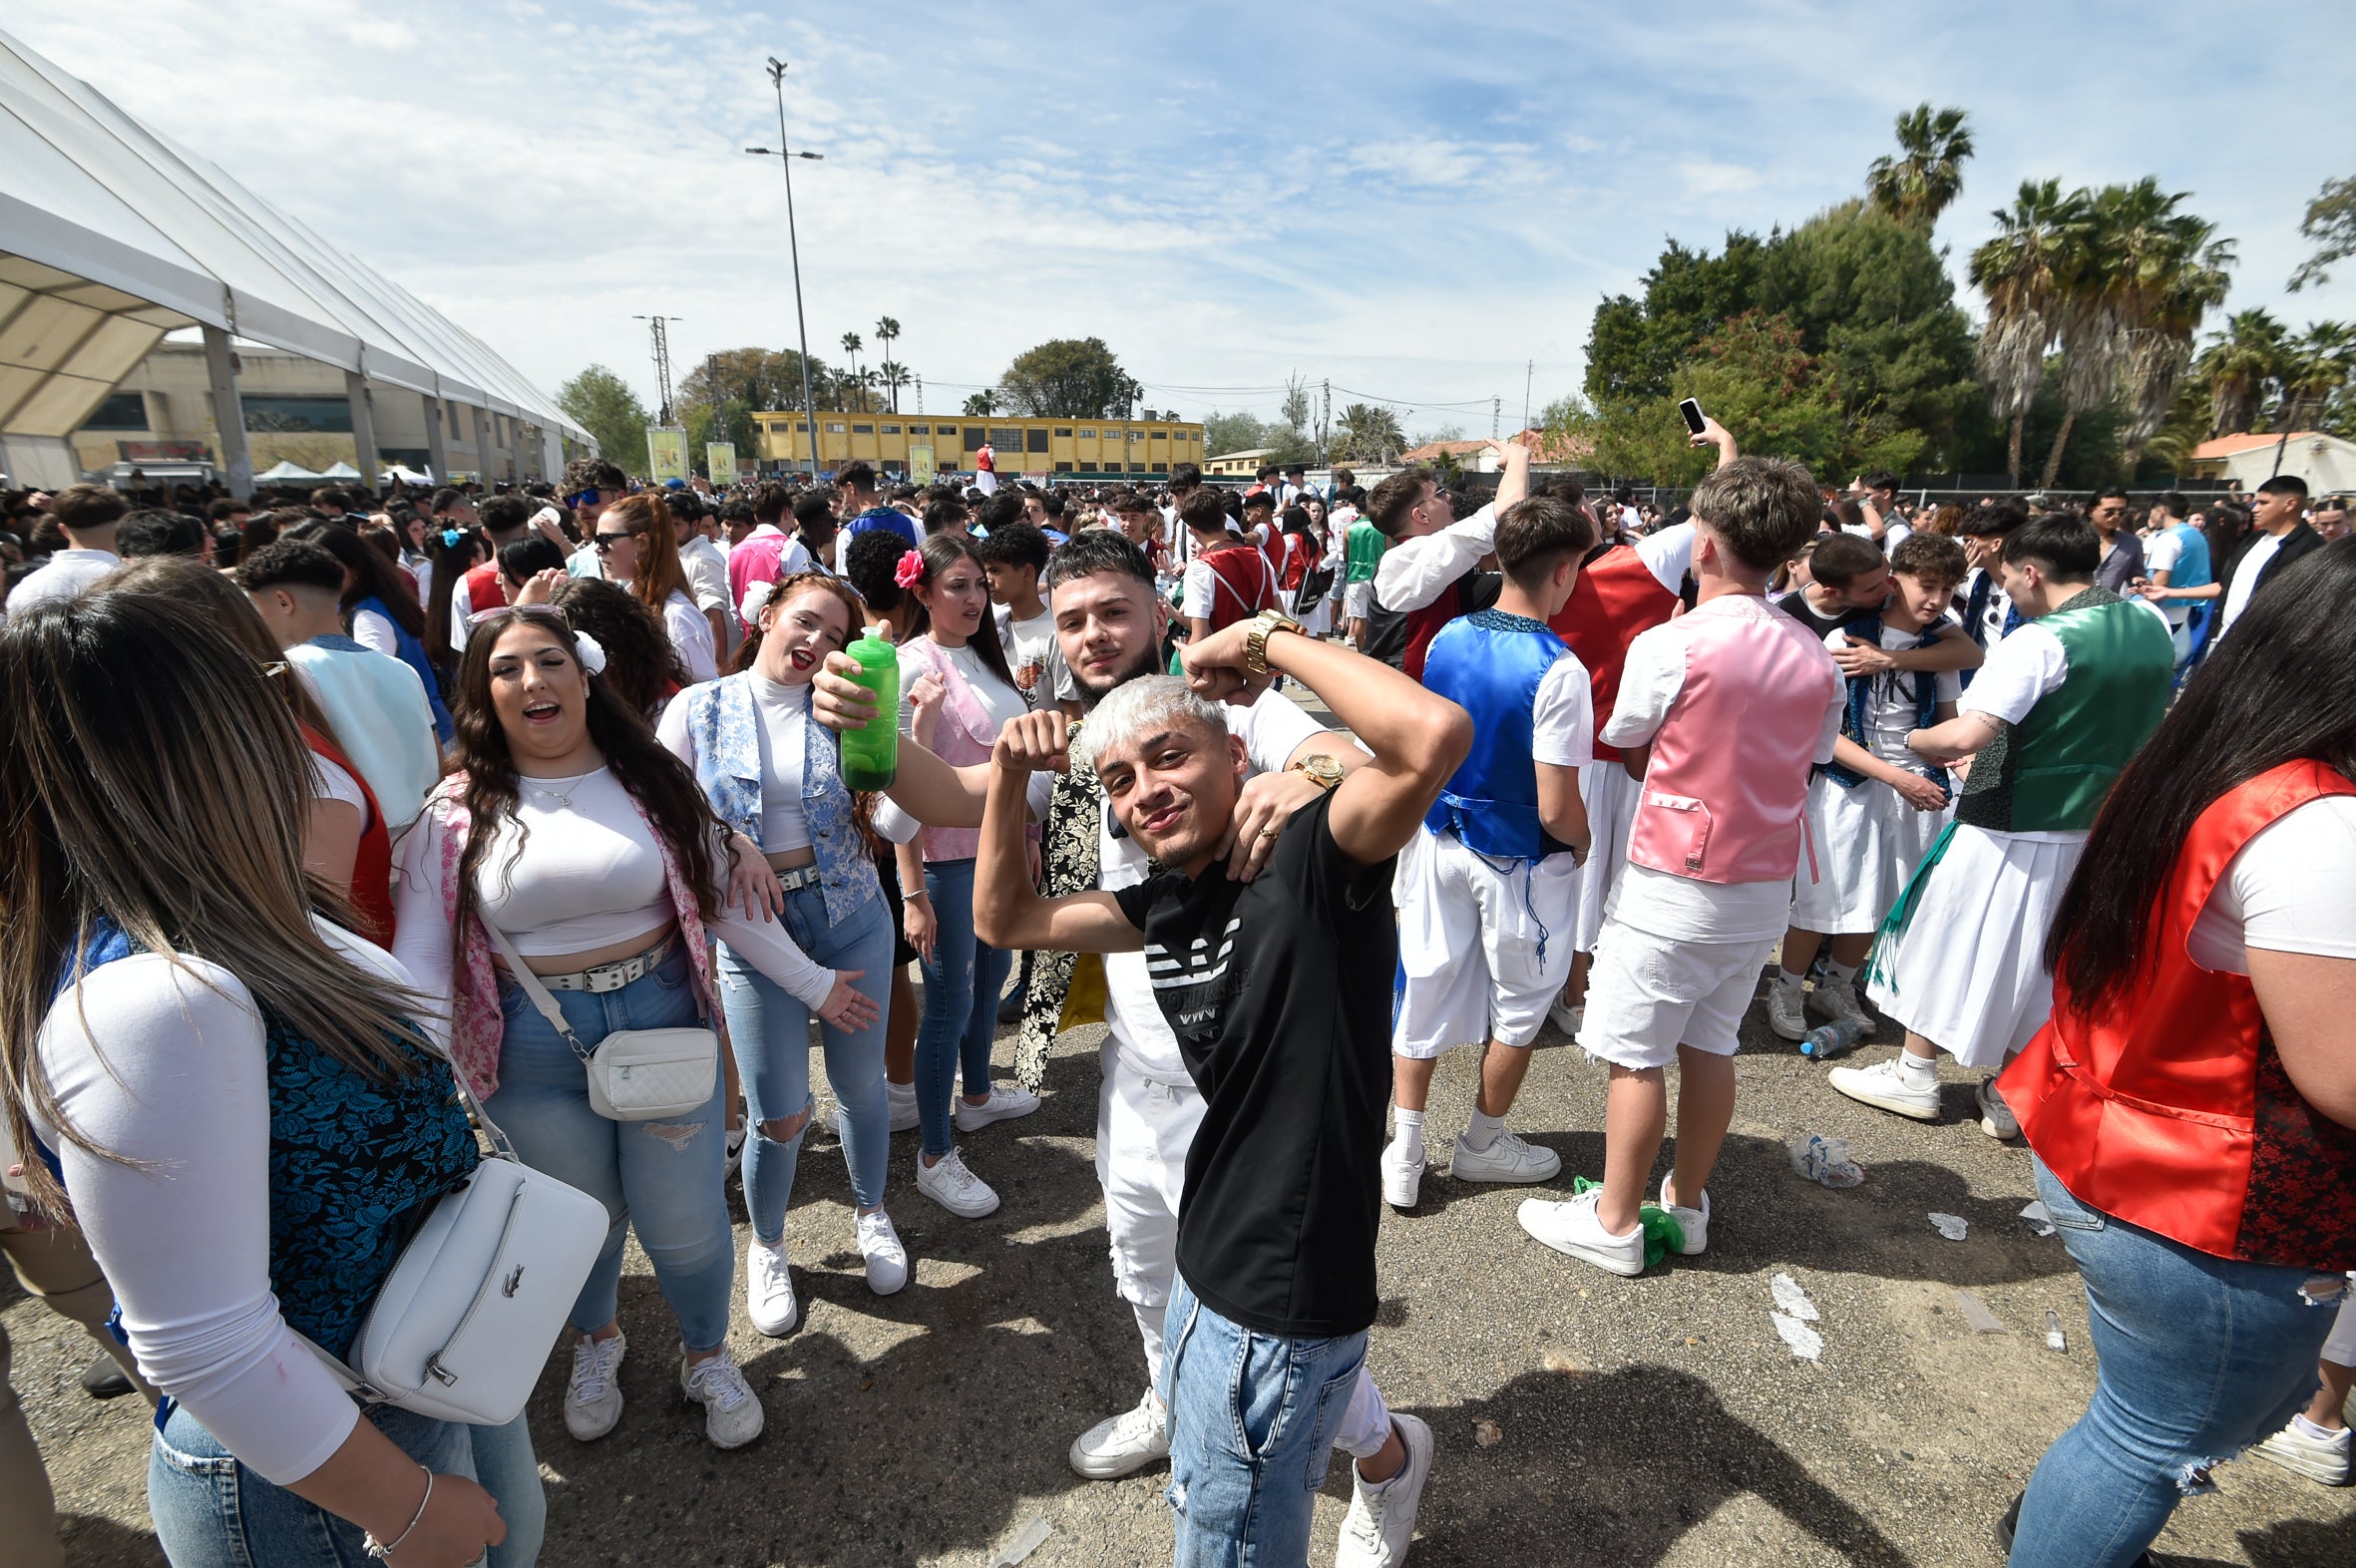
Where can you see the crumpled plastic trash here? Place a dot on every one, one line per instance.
(1660, 1230)
(1791, 1299)
(1807, 1344)
(1976, 1312)
(1824, 1160)
(2040, 1218)
(1951, 1226)
(1026, 1540)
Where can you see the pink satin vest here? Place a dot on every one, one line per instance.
(964, 735)
(1724, 792)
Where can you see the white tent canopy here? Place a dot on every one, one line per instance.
(339, 470)
(111, 235)
(284, 473)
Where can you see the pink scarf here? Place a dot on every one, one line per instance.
(476, 1023)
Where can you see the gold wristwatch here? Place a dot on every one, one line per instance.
(1264, 625)
(1319, 769)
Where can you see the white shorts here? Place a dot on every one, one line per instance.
(1867, 843)
(1648, 994)
(1483, 950)
(1610, 796)
(1357, 599)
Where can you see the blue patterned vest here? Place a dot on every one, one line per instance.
(355, 1167)
(1865, 631)
(1491, 664)
(721, 720)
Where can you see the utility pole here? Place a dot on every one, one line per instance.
(1529, 378)
(785, 160)
(659, 329)
(1496, 417)
(1325, 427)
(919, 397)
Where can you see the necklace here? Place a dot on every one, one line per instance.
(563, 798)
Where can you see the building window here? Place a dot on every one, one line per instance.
(1007, 436)
(121, 411)
(919, 430)
(976, 438)
(1137, 468)
(890, 430)
(1063, 430)
(299, 415)
(1034, 439)
(1087, 434)
(1063, 468)
(1161, 468)
(1159, 435)
(801, 427)
(834, 426)
(862, 430)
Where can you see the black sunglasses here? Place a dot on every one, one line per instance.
(605, 541)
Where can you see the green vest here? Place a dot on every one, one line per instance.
(2050, 772)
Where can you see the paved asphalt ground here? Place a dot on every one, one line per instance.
(1582, 1419)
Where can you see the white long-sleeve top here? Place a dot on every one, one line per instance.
(163, 1065)
(589, 875)
(1412, 572)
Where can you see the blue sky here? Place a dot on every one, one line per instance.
(1413, 201)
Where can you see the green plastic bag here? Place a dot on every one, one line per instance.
(1660, 1230)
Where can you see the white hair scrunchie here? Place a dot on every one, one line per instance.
(590, 652)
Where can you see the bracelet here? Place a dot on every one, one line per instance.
(383, 1551)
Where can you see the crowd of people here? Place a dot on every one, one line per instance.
(328, 808)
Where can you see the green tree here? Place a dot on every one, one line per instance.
(853, 384)
(980, 403)
(602, 403)
(1237, 432)
(1368, 433)
(2316, 370)
(1635, 346)
(2017, 272)
(1916, 186)
(887, 333)
(893, 375)
(2331, 224)
(1067, 378)
(2243, 369)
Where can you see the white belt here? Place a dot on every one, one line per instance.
(613, 977)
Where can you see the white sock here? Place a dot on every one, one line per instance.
(2307, 1428)
(1483, 1132)
(1410, 1138)
(1841, 974)
(1922, 1069)
(1788, 982)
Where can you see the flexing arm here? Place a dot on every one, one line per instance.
(1009, 911)
(1418, 738)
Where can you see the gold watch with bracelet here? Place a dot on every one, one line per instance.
(1263, 626)
(1319, 769)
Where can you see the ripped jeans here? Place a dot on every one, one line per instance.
(2200, 1358)
(667, 1176)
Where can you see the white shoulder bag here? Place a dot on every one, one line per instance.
(463, 1325)
(634, 1074)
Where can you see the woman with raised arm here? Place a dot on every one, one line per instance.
(570, 831)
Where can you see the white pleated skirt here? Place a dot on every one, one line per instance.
(1869, 842)
(1968, 973)
(1610, 796)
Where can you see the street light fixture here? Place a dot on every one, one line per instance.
(785, 156)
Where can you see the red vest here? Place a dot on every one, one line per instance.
(483, 593)
(372, 867)
(1243, 584)
(1425, 623)
(1616, 597)
(2171, 1110)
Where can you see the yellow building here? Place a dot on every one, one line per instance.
(1077, 447)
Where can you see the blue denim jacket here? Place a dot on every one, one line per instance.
(722, 717)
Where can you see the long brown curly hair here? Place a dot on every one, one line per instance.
(658, 781)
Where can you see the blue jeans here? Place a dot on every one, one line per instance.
(961, 984)
(2199, 1356)
(769, 1029)
(1251, 1426)
(667, 1176)
(209, 1511)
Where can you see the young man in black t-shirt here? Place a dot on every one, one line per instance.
(1277, 991)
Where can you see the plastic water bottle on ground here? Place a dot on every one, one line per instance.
(1837, 1038)
(1824, 1160)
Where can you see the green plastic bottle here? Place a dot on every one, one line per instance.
(871, 753)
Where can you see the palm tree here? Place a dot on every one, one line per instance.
(894, 376)
(2166, 271)
(887, 332)
(1917, 186)
(851, 347)
(982, 403)
(2241, 367)
(2318, 365)
(2015, 272)
(1368, 433)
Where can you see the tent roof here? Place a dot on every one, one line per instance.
(115, 235)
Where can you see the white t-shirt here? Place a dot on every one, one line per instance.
(68, 573)
(1661, 902)
(1890, 698)
(691, 634)
(1032, 652)
(2292, 889)
(330, 781)
(2161, 552)
(2245, 580)
(2028, 667)
(373, 631)
(781, 729)
(1992, 617)
(1562, 719)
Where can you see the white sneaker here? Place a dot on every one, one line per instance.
(956, 1188)
(1693, 1224)
(769, 1290)
(732, 1415)
(2325, 1461)
(1125, 1443)
(886, 1260)
(1403, 1178)
(1837, 1001)
(593, 1395)
(1566, 1018)
(1996, 1117)
(1006, 1101)
(1787, 1014)
(1885, 1087)
(736, 1137)
(1381, 1520)
(1509, 1159)
(1572, 1228)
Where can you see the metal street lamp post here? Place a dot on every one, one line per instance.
(785, 159)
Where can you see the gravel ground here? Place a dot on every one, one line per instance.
(1582, 1418)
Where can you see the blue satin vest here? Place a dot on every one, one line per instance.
(1491, 664)
(721, 716)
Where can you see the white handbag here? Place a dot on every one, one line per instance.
(463, 1325)
(634, 1074)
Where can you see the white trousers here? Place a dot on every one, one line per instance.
(1143, 1131)
(1485, 948)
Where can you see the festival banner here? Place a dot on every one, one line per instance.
(666, 453)
(719, 461)
(920, 465)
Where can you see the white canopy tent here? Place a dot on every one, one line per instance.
(339, 470)
(111, 235)
(284, 473)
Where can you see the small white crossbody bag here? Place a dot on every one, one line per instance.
(634, 1074)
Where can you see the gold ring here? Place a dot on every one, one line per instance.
(1267, 833)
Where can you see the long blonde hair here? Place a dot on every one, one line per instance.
(151, 777)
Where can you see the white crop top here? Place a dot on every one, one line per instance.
(784, 715)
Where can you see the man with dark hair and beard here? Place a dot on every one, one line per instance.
(1110, 625)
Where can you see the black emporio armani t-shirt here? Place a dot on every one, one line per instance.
(1279, 990)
